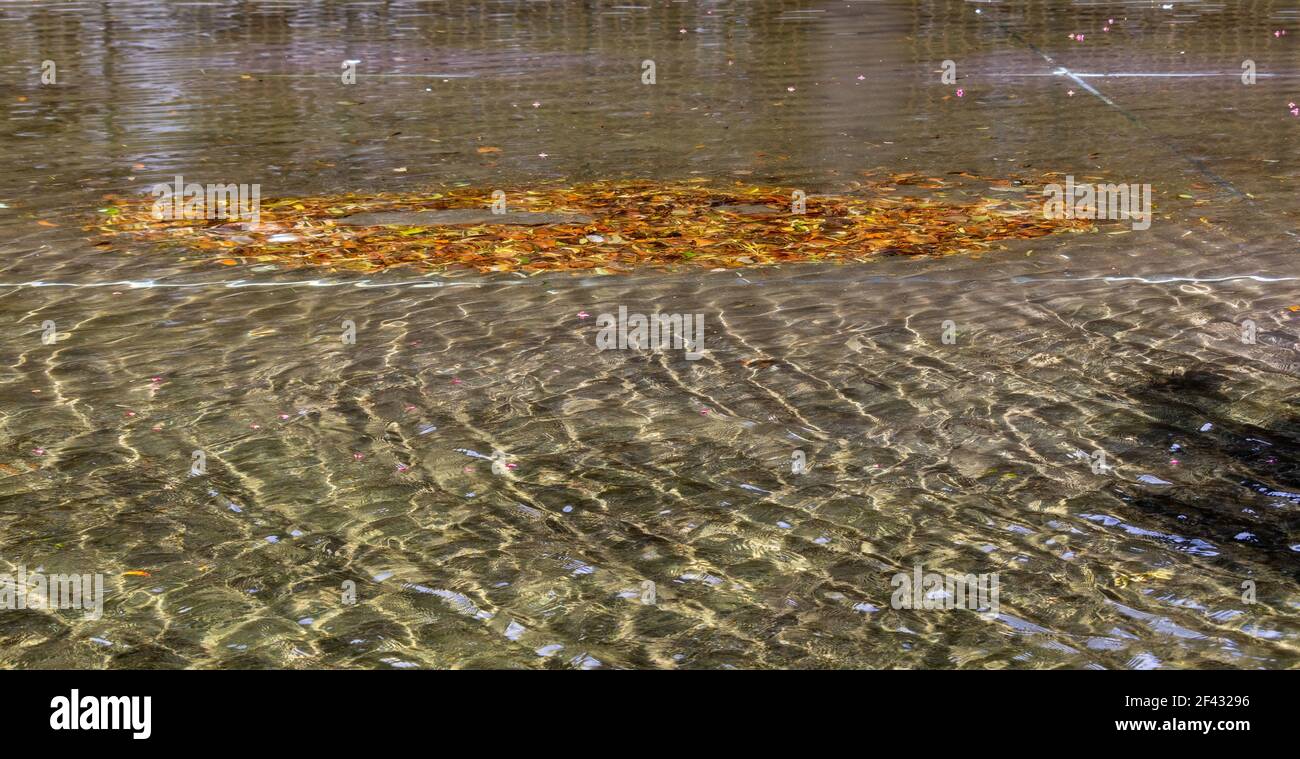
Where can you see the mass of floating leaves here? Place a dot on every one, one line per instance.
(620, 225)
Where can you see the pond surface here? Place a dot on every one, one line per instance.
(966, 448)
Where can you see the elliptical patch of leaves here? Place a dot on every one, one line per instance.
(634, 223)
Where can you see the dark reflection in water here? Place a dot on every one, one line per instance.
(332, 465)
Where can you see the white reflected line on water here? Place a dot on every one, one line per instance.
(360, 75)
(1091, 90)
(237, 284)
(1169, 279)
(1155, 279)
(149, 284)
(1145, 75)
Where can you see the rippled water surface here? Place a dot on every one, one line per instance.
(331, 463)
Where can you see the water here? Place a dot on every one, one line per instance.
(332, 466)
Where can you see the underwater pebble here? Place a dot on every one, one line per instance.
(583, 661)
(399, 664)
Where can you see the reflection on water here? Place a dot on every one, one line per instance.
(499, 492)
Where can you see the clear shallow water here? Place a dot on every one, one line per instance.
(330, 462)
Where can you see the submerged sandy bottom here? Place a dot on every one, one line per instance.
(948, 410)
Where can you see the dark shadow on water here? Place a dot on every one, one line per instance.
(1254, 465)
